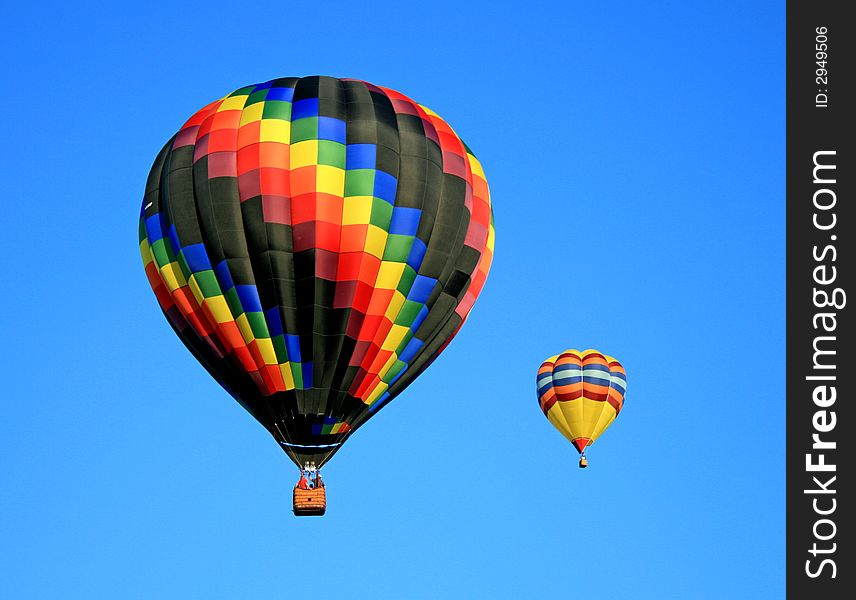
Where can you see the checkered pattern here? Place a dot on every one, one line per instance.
(316, 243)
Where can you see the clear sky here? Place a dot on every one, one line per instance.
(635, 154)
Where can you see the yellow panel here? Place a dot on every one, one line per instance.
(244, 327)
(146, 252)
(376, 242)
(389, 275)
(429, 111)
(266, 349)
(197, 291)
(393, 339)
(395, 306)
(377, 393)
(357, 210)
(287, 377)
(252, 113)
(232, 103)
(172, 276)
(476, 166)
(557, 418)
(330, 180)
(607, 416)
(219, 309)
(303, 154)
(275, 130)
(491, 235)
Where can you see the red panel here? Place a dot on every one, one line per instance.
(353, 238)
(274, 154)
(380, 302)
(248, 158)
(329, 208)
(303, 208)
(303, 180)
(274, 181)
(223, 140)
(249, 134)
(349, 266)
(327, 237)
(363, 296)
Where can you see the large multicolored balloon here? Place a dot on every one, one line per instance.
(316, 243)
(581, 393)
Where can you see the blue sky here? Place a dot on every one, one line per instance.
(635, 154)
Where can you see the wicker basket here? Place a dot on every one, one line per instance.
(310, 502)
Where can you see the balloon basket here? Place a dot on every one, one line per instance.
(583, 462)
(310, 503)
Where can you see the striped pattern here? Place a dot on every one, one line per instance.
(316, 243)
(581, 393)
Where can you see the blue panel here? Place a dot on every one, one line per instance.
(544, 388)
(307, 374)
(405, 221)
(384, 186)
(263, 86)
(292, 345)
(153, 228)
(417, 253)
(331, 129)
(421, 289)
(304, 108)
(380, 402)
(280, 93)
(249, 297)
(224, 276)
(274, 323)
(423, 312)
(410, 350)
(196, 257)
(173, 238)
(361, 156)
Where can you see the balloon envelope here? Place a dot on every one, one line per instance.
(316, 243)
(581, 393)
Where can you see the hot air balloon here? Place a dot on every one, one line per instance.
(316, 243)
(581, 394)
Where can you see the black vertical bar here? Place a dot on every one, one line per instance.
(821, 225)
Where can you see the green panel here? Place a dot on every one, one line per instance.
(258, 324)
(359, 182)
(396, 367)
(406, 282)
(304, 129)
(381, 214)
(208, 283)
(160, 253)
(277, 109)
(234, 302)
(397, 247)
(182, 264)
(408, 313)
(256, 97)
(297, 373)
(279, 348)
(244, 91)
(331, 153)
